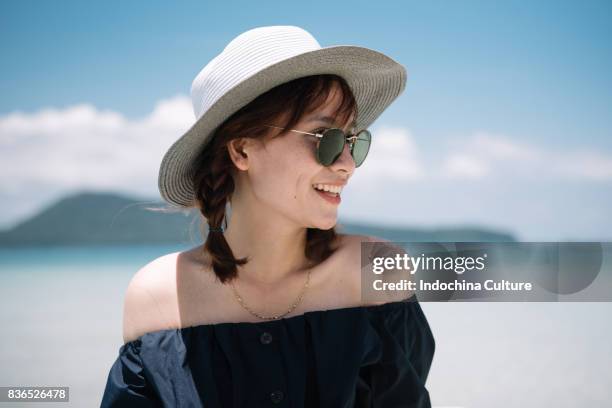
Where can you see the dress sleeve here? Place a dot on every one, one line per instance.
(126, 385)
(397, 374)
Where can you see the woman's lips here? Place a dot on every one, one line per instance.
(329, 197)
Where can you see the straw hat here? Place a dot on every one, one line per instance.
(257, 61)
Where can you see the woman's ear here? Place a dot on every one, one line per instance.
(238, 151)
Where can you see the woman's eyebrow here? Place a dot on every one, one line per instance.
(329, 120)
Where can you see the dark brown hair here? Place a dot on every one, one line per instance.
(213, 169)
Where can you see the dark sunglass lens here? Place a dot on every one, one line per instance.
(361, 147)
(330, 146)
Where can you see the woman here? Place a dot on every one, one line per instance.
(269, 311)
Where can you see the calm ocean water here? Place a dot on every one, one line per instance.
(60, 314)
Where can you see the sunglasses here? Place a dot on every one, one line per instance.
(332, 142)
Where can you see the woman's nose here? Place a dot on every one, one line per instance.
(345, 161)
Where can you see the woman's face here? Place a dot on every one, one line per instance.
(283, 172)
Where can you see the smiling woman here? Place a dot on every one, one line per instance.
(268, 310)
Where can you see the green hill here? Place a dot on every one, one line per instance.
(107, 218)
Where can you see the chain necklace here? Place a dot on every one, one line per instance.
(272, 317)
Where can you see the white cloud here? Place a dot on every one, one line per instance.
(393, 156)
(583, 165)
(83, 147)
(462, 166)
(499, 147)
(495, 156)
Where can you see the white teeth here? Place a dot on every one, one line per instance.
(329, 188)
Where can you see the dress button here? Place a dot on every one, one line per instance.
(265, 338)
(276, 396)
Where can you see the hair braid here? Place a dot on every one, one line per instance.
(214, 187)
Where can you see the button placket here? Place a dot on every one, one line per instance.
(268, 338)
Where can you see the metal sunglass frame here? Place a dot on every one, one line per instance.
(350, 140)
(353, 136)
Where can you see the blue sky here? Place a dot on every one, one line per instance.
(532, 73)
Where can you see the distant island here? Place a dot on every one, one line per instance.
(108, 219)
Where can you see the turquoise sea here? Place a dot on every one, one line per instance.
(60, 314)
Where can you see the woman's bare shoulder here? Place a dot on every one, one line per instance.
(352, 255)
(351, 244)
(150, 299)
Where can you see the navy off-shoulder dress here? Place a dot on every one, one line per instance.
(363, 356)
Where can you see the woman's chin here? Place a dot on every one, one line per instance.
(326, 224)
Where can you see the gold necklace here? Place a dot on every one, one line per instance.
(272, 317)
